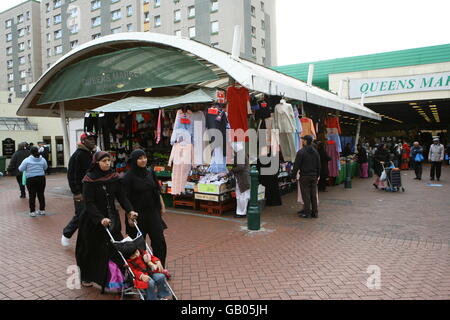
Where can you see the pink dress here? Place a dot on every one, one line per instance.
(180, 160)
(332, 151)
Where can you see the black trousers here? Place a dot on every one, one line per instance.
(21, 186)
(418, 169)
(322, 183)
(308, 186)
(72, 226)
(436, 169)
(36, 186)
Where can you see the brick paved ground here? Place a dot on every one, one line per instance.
(407, 235)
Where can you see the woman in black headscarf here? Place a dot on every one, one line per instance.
(101, 186)
(142, 189)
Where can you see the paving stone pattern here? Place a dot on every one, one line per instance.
(406, 236)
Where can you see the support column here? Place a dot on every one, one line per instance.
(358, 131)
(65, 132)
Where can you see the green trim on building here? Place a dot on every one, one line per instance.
(394, 59)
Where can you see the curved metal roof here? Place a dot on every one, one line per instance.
(251, 75)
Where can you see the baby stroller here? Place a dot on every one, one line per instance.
(393, 178)
(128, 288)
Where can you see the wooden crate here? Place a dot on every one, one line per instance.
(217, 208)
(185, 202)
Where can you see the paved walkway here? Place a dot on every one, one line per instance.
(361, 233)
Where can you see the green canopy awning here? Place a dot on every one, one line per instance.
(149, 103)
(123, 71)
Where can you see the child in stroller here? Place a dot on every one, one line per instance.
(148, 272)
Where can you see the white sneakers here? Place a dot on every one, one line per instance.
(65, 242)
(37, 213)
(33, 214)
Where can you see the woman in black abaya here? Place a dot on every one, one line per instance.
(101, 186)
(142, 189)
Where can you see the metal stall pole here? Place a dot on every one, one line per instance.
(65, 132)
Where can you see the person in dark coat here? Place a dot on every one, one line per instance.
(363, 161)
(307, 162)
(101, 187)
(324, 159)
(142, 189)
(381, 157)
(44, 151)
(79, 163)
(269, 180)
(13, 167)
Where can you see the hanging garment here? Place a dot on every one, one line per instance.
(183, 128)
(199, 125)
(181, 162)
(284, 121)
(308, 127)
(217, 119)
(238, 110)
(333, 165)
(298, 130)
(242, 199)
(336, 139)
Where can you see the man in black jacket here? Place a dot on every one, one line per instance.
(13, 167)
(78, 165)
(307, 162)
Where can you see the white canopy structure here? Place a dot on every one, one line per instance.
(250, 75)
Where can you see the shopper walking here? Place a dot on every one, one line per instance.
(436, 156)
(363, 161)
(13, 168)
(142, 190)
(44, 151)
(417, 158)
(78, 165)
(406, 151)
(381, 157)
(307, 162)
(34, 167)
(93, 251)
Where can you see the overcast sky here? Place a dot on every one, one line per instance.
(312, 30)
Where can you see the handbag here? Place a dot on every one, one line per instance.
(115, 280)
(418, 157)
(24, 178)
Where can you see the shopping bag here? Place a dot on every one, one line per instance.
(115, 277)
(383, 176)
(24, 178)
(418, 157)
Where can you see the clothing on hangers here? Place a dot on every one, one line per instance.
(238, 109)
(183, 128)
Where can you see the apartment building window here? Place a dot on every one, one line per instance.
(252, 11)
(174, 1)
(57, 19)
(28, 29)
(74, 29)
(73, 12)
(9, 50)
(254, 51)
(49, 37)
(114, 1)
(58, 50)
(21, 46)
(56, 4)
(8, 36)
(28, 15)
(23, 88)
(146, 1)
(177, 15)
(8, 23)
(21, 60)
(178, 33)
(130, 27)
(11, 89)
(73, 44)
(20, 18)
(21, 32)
(29, 44)
(116, 15)
(129, 11)
(263, 25)
(97, 35)
(57, 34)
(253, 32)
(157, 21)
(263, 43)
(147, 17)
(23, 74)
(157, 3)
(215, 27)
(214, 5)
(49, 52)
(10, 76)
(116, 30)
(192, 32)
(48, 22)
(96, 21)
(215, 44)
(10, 64)
(47, 7)
(191, 12)
(262, 6)
(95, 5)
(264, 60)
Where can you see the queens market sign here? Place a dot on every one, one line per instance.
(386, 86)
